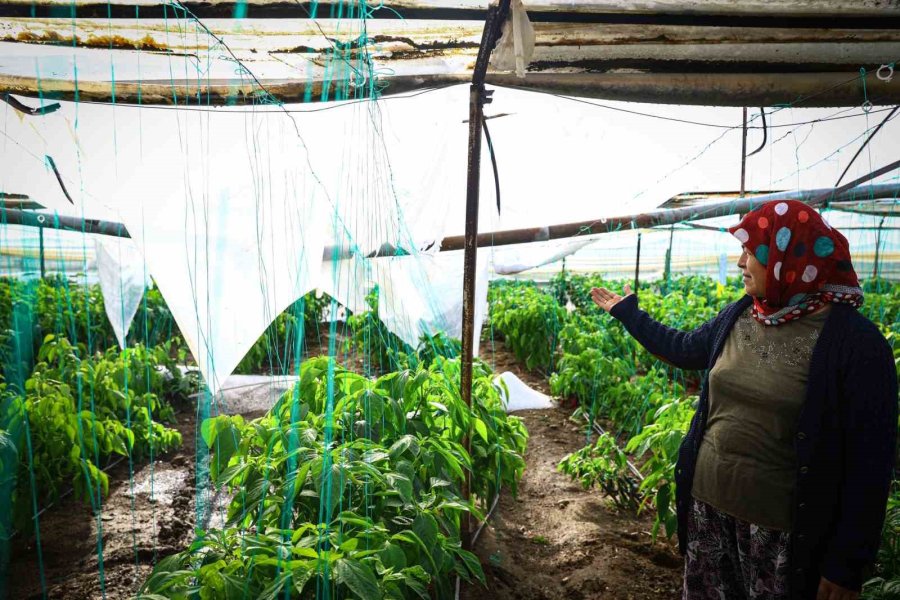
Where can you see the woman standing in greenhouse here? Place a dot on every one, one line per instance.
(783, 476)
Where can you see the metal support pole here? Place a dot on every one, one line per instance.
(637, 266)
(41, 249)
(877, 248)
(744, 154)
(478, 97)
(667, 277)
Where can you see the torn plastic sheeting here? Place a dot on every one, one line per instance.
(230, 245)
(122, 274)
(516, 45)
(521, 397)
(418, 295)
(509, 261)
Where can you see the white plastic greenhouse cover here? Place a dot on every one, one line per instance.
(232, 207)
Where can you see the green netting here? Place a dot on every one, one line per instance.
(346, 464)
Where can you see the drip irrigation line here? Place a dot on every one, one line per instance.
(865, 143)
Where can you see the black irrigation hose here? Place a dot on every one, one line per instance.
(865, 143)
(59, 178)
(487, 135)
(765, 129)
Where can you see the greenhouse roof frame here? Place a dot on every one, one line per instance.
(725, 53)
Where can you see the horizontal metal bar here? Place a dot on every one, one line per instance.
(714, 89)
(664, 217)
(749, 14)
(514, 236)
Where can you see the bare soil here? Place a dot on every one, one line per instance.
(558, 541)
(142, 520)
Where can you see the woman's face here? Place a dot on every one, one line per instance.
(754, 274)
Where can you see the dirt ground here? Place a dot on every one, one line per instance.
(554, 541)
(558, 541)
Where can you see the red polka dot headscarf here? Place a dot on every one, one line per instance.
(807, 261)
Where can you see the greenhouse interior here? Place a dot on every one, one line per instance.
(428, 299)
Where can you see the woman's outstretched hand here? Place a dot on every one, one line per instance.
(606, 299)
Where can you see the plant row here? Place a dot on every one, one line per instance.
(74, 414)
(351, 487)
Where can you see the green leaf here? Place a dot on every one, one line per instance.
(405, 443)
(392, 557)
(402, 484)
(358, 577)
(481, 428)
(425, 526)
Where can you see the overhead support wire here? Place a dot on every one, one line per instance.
(866, 143)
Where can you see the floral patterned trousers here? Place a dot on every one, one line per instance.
(730, 559)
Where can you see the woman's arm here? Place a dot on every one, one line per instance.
(869, 418)
(684, 349)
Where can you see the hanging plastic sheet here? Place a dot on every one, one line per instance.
(122, 274)
(418, 295)
(516, 44)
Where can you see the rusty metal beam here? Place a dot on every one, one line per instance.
(715, 89)
(816, 198)
(211, 92)
(821, 14)
(847, 201)
(718, 89)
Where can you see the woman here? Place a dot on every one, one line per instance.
(783, 476)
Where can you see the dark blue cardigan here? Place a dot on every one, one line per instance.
(846, 437)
